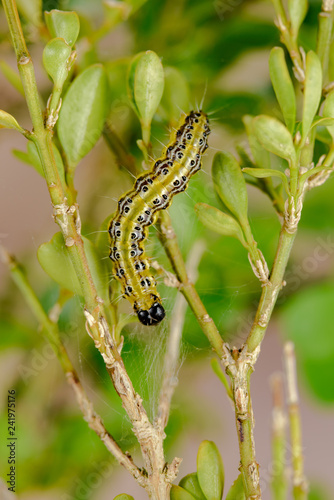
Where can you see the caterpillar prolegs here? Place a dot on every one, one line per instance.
(137, 210)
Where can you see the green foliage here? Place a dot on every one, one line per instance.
(312, 91)
(216, 220)
(274, 137)
(54, 259)
(236, 492)
(55, 60)
(190, 483)
(283, 86)
(230, 185)
(146, 85)
(8, 121)
(83, 113)
(210, 471)
(62, 24)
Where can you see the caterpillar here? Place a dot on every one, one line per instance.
(138, 209)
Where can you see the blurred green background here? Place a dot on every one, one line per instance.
(221, 49)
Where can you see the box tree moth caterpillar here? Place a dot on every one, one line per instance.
(138, 209)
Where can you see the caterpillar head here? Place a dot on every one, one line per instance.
(153, 315)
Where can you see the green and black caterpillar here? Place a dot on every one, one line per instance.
(138, 208)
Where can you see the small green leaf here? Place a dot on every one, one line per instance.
(215, 365)
(146, 85)
(312, 91)
(274, 137)
(283, 86)
(236, 492)
(297, 11)
(176, 94)
(261, 156)
(218, 221)
(210, 470)
(83, 113)
(230, 185)
(261, 173)
(178, 493)
(115, 12)
(124, 496)
(54, 258)
(8, 121)
(190, 483)
(31, 157)
(55, 60)
(328, 111)
(12, 76)
(63, 24)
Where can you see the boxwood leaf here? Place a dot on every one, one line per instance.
(178, 493)
(328, 111)
(261, 156)
(218, 221)
(261, 173)
(8, 121)
(283, 86)
(210, 470)
(191, 484)
(312, 91)
(230, 184)
(236, 492)
(55, 60)
(63, 24)
(274, 137)
(83, 113)
(146, 85)
(297, 11)
(55, 260)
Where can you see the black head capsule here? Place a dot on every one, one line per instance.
(154, 315)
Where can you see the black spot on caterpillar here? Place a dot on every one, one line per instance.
(137, 210)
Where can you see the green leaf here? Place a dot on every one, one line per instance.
(83, 113)
(218, 221)
(274, 137)
(31, 157)
(328, 110)
(297, 11)
(146, 85)
(56, 60)
(312, 91)
(236, 492)
(210, 470)
(215, 365)
(261, 173)
(123, 496)
(115, 12)
(54, 258)
(283, 86)
(63, 24)
(176, 95)
(178, 493)
(230, 185)
(190, 483)
(12, 76)
(8, 121)
(261, 156)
